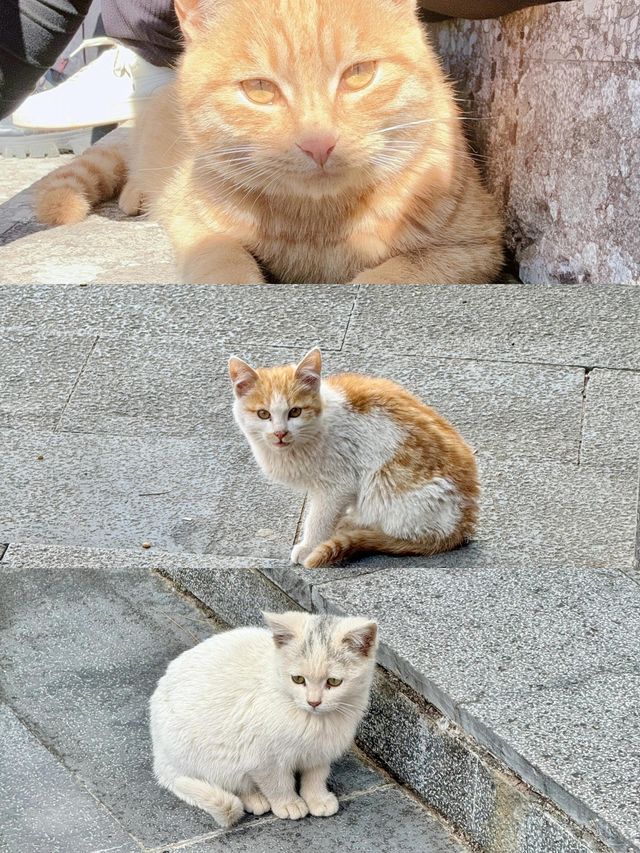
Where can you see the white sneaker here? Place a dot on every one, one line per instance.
(109, 90)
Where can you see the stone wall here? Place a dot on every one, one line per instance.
(553, 93)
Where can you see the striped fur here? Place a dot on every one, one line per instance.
(400, 199)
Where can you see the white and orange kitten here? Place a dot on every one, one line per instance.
(235, 718)
(383, 471)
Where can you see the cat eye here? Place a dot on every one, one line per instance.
(334, 682)
(263, 414)
(260, 91)
(295, 412)
(297, 679)
(359, 75)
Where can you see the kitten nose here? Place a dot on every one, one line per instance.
(319, 147)
(281, 434)
(314, 704)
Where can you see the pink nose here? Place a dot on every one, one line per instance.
(319, 147)
(281, 435)
(313, 704)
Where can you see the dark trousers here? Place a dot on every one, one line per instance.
(33, 33)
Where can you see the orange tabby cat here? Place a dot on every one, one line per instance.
(383, 471)
(317, 141)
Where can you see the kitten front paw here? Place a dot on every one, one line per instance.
(300, 552)
(323, 806)
(255, 803)
(294, 810)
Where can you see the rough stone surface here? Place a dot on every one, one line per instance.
(590, 326)
(37, 377)
(542, 667)
(611, 428)
(119, 492)
(43, 808)
(240, 317)
(552, 94)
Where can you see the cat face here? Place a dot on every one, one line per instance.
(306, 97)
(278, 407)
(326, 663)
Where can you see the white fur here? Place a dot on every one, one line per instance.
(230, 728)
(336, 457)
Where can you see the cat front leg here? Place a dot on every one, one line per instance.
(473, 264)
(217, 259)
(314, 791)
(279, 787)
(324, 512)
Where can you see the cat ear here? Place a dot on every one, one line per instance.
(189, 14)
(242, 375)
(361, 636)
(310, 369)
(285, 627)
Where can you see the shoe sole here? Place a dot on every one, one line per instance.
(51, 144)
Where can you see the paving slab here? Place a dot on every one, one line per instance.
(82, 686)
(42, 808)
(584, 325)
(37, 377)
(541, 665)
(119, 492)
(383, 820)
(611, 429)
(179, 386)
(294, 316)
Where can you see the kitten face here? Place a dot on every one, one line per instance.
(304, 97)
(279, 407)
(326, 662)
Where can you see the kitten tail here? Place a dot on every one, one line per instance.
(225, 808)
(68, 193)
(352, 541)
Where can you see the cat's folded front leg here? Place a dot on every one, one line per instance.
(279, 787)
(314, 791)
(472, 264)
(217, 259)
(323, 514)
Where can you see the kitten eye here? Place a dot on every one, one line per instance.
(359, 75)
(260, 91)
(263, 414)
(334, 682)
(295, 412)
(297, 679)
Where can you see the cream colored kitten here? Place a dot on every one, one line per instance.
(383, 471)
(235, 718)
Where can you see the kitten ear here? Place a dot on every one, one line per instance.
(285, 627)
(242, 375)
(308, 371)
(361, 636)
(189, 14)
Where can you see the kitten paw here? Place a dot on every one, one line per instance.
(299, 553)
(294, 810)
(131, 200)
(255, 803)
(323, 806)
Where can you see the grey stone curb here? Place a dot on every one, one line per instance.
(498, 801)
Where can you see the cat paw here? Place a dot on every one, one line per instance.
(300, 552)
(255, 803)
(323, 806)
(131, 200)
(294, 810)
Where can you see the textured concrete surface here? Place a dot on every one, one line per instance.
(128, 622)
(552, 93)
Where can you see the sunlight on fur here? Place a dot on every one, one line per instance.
(315, 141)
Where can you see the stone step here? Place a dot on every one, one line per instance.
(85, 639)
(513, 716)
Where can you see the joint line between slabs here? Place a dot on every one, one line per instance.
(75, 384)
